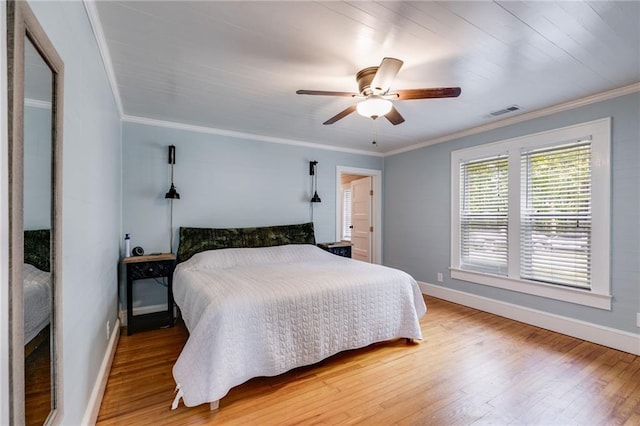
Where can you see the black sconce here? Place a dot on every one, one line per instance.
(172, 194)
(313, 172)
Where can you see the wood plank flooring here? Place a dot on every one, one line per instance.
(471, 368)
(37, 381)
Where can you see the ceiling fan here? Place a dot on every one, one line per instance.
(374, 84)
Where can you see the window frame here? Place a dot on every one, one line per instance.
(599, 131)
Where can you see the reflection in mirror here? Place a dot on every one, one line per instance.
(37, 187)
(35, 93)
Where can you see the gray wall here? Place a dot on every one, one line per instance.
(418, 208)
(91, 201)
(37, 168)
(223, 182)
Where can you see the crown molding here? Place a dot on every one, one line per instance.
(242, 135)
(35, 103)
(96, 26)
(621, 91)
(625, 90)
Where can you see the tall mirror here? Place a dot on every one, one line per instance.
(35, 130)
(36, 273)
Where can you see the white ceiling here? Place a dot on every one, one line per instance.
(235, 66)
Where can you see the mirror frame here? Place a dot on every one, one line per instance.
(22, 25)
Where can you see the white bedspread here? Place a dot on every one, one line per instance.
(263, 311)
(36, 298)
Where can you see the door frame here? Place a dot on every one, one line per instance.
(376, 178)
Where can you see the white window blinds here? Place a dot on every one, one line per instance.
(555, 227)
(346, 214)
(484, 210)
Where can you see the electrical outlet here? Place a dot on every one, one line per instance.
(108, 329)
(638, 320)
(440, 278)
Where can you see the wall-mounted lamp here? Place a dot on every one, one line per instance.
(313, 172)
(172, 194)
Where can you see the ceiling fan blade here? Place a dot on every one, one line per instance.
(435, 92)
(387, 71)
(394, 116)
(325, 93)
(340, 115)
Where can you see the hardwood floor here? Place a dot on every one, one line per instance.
(471, 368)
(37, 383)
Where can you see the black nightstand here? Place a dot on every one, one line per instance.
(339, 248)
(143, 267)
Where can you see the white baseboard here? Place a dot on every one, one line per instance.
(93, 407)
(606, 336)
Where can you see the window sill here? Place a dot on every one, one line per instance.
(566, 294)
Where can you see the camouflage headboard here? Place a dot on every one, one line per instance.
(195, 240)
(37, 248)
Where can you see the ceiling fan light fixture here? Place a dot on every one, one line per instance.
(374, 107)
(374, 84)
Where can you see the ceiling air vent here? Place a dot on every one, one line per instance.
(506, 110)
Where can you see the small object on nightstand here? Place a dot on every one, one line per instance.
(340, 248)
(127, 245)
(143, 267)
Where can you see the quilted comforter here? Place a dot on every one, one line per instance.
(37, 300)
(263, 311)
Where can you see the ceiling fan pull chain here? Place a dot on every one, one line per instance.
(375, 133)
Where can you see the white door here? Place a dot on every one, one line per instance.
(361, 196)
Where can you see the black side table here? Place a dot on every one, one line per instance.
(339, 248)
(151, 266)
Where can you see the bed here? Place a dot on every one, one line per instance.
(36, 278)
(37, 301)
(262, 301)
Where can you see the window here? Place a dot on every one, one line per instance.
(484, 210)
(346, 214)
(531, 214)
(555, 225)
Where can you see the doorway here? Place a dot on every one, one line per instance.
(344, 176)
